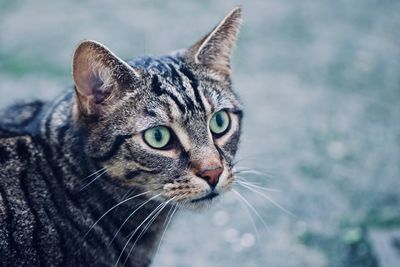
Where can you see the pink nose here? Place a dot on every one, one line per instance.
(211, 176)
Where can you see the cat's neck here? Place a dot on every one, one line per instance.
(57, 133)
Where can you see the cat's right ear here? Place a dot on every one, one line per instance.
(100, 77)
(215, 49)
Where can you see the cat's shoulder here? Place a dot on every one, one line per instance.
(16, 145)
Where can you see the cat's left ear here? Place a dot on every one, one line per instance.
(215, 49)
(100, 78)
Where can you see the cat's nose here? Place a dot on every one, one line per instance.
(211, 176)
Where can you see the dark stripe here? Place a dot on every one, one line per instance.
(189, 103)
(59, 189)
(4, 155)
(221, 152)
(174, 60)
(192, 79)
(107, 226)
(130, 155)
(176, 78)
(180, 106)
(230, 147)
(76, 163)
(61, 132)
(149, 112)
(237, 112)
(119, 140)
(23, 152)
(9, 227)
(62, 245)
(37, 224)
(60, 201)
(194, 83)
(61, 209)
(6, 133)
(105, 201)
(156, 87)
(52, 160)
(133, 174)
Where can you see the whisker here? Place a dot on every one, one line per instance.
(166, 227)
(146, 227)
(168, 214)
(241, 180)
(134, 232)
(94, 173)
(130, 215)
(270, 200)
(252, 158)
(108, 211)
(95, 178)
(251, 218)
(125, 195)
(251, 207)
(252, 171)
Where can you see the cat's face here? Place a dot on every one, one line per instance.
(168, 124)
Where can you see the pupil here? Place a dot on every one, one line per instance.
(158, 135)
(219, 120)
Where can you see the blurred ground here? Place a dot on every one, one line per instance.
(320, 82)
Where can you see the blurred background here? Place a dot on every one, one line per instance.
(320, 83)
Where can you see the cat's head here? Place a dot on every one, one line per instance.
(169, 124)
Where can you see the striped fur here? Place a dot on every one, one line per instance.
(65, 164)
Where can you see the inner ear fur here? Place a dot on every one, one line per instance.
(99, 77)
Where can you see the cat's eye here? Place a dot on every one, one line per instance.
(158, 137)
(219, 122)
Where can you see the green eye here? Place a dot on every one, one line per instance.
(157, 137)
(220, 122)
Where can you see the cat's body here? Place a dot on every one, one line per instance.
(44, 213)
(80, 174)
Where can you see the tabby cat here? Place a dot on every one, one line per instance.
(94, 177)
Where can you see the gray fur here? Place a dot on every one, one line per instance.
(50, 153)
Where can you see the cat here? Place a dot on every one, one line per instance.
(94, 177)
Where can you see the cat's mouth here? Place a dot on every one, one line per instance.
(209, 196)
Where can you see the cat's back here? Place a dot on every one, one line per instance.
(17, 147)
(21, 193)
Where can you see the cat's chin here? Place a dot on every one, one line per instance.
(210, 196)
(203, 203)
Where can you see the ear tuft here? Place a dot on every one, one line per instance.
(98, 75)
(215, 49)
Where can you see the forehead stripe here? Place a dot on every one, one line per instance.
(176, 78)
(157, 88)
(180, 105)
(194, 83)
(178, 84)
(185, 72)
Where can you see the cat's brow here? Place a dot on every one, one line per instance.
(145, 123)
